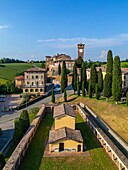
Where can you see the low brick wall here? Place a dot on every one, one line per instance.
(115, 154)
(14, 161)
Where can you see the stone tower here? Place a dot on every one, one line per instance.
(81, 50)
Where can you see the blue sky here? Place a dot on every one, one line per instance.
(32, 29)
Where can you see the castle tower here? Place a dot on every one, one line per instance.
(81, 50)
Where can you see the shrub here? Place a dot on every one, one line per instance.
(2, 161)
(33, 110)
(65, 95)
(24, 117)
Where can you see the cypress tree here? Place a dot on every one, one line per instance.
(78, 86)
(108, 76)
(2, 161)
(100, 80)
(64, 80)
(59, 69)
(18, 131)
(74, 79)
(90, 90)
(24, 118)
(97, 92)
(83, 89)
(53, 96)
(84, 76)
(127, 98)
(117, 79)
(65, 95)
(93, 77)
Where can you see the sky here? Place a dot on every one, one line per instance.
(32, 29)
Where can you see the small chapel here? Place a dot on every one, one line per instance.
(63, 137)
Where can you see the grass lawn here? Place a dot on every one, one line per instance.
(9, 71)
(10, 151)
(97, 158)
(116, 116)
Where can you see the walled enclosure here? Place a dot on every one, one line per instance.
(111, 149)
(15, 160)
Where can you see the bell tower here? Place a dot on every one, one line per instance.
(81, 50)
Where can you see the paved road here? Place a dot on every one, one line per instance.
(6, 121)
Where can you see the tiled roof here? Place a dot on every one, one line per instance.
(65, 133)
(35, 69)
(63, 109)
(19, 78)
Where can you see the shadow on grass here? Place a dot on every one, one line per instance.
(2, 65)
(89, 139)
(34, 154)
(70, 100)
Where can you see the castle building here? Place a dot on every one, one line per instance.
(64, 137)
(33, 81)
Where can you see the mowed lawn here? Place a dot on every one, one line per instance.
(9, 71)
(97, 159)
(116, 116)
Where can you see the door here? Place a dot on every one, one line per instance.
(79, 148)
(61, 147)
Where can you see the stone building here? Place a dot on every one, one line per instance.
(103, 68)
(33, 81)
(64, 137)
(53, 62)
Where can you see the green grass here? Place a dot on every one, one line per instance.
(97, 159)
(9, 71)
(10, 151)
(124, 64)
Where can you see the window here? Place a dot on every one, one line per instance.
(124, 77)
(41, 90)
(27, 77)
(32, 83)
(36, 77)
(36, 90)
(31, 90)
(32, 77)
(27, 82)
(26, 90)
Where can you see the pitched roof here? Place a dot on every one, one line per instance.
(19, 77)
(65, 133)
(35, 69)
(62, 110)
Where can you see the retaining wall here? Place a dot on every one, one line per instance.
(14, 161)
(115, 154)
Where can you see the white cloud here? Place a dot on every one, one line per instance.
(4, 26)
(103, 54)
(89, 42)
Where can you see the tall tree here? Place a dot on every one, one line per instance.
(84, 76)
(93, 77)
(2, 161)
(127, 98)
(65, 95)
(59, 69)
(64, 80)
(108, 76)
(74, 78)
(53, 96)
(100, 80)
(83, 89)
(90, 89)
(117, 79)
(24, 117)
(78, 86)
(97, 92)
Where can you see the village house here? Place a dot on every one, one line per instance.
(33, 81)
(63, 137)
(103, 68)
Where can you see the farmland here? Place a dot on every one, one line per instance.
(9, 71)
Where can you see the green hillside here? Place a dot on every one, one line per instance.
(9, 71)
(124, 64)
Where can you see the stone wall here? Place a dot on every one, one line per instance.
(111, 149)
(14, 161)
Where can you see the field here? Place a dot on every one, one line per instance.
(116, 116)
(9, 71)
(124, 64)
(97, 159)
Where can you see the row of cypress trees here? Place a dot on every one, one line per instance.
(112, 84)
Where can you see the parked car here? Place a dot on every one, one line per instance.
(57, 87)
